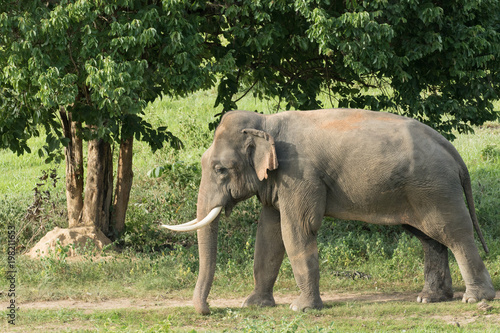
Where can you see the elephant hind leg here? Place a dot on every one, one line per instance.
(452, 227)
(438, 285)
(476, 277)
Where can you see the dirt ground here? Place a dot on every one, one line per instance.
(164, 303)
(214, 301)
(156, 303)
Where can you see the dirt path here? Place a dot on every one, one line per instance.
(157, 303)
(147, 303)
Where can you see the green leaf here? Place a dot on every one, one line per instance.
(156, 172)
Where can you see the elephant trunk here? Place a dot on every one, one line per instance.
(207, 248)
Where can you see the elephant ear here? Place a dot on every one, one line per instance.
(261, 151)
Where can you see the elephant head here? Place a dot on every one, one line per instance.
(234, 167)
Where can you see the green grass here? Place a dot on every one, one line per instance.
(335, 317)
(19, 173)
(155, 263)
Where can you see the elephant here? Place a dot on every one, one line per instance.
(349, 164)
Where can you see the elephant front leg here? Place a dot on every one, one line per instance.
(302, 250)
(269, 253)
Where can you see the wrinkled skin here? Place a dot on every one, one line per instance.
(348, 164)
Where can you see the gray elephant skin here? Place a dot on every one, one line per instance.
(348, 164)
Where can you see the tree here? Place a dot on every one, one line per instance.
(83, 71)
(436, 61)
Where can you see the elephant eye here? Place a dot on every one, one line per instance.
(220, 170)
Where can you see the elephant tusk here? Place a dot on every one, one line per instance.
(195, 225)
(179, 225)
(184, 224)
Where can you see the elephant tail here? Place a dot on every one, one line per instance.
(466, 185)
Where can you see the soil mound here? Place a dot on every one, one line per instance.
(74, 238)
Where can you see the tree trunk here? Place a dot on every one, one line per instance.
(74, 169)
(95, 211)
(99, 186)
(124, 179)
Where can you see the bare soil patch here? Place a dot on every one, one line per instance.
(166, 302)
(74, 238)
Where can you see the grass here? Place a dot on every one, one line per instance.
(154, 263)
(335, 317)
(19, 173)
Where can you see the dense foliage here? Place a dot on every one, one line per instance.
(85, 70)
(432, 60)
(100, 60)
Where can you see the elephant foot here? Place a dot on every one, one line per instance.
(258, 299)
(433, 297)
(201, 307)
(306, 303)
(427, 298)
(473, 295)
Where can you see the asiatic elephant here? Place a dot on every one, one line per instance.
(348, 164)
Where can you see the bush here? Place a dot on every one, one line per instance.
(169, 198)
(33, 218)
(345, 244)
